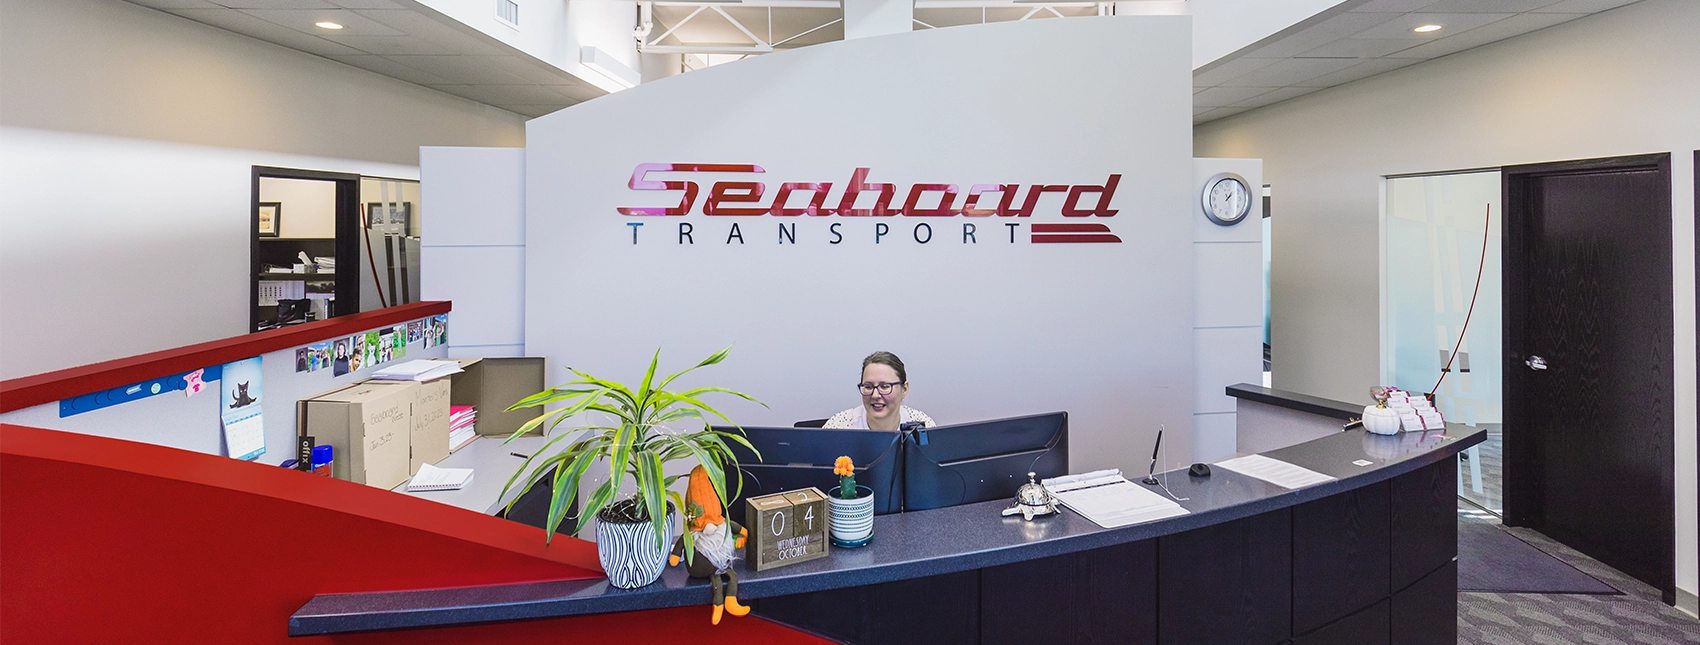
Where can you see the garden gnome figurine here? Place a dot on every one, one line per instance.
(715, 543)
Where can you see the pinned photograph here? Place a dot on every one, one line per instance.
(440, 327)
(340, 362)
(413, 330)
(319, 356)
(399, 336)
(386, 347)
(357, 352)
(303, 363)
(371, 353)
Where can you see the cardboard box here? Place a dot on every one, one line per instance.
(430, 437)
(369, 426)
(493, 384)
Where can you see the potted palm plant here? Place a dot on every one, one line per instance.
(650, 427)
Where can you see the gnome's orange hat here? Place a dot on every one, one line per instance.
(700, 492)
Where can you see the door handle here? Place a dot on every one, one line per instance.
(1536, 363)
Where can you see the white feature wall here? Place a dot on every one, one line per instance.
(1616, 83)
(989, 329)
(1227, 319)
(473, 253)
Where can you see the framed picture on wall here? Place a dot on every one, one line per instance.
(394, 218)
(269, 215)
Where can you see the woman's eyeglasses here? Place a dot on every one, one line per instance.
(882, 388)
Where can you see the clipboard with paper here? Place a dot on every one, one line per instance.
(1110, 500)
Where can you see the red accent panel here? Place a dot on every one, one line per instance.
(112, 541)
(1070, 228)
(1075, 238)
(29, 391)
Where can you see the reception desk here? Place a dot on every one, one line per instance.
(1365, 558)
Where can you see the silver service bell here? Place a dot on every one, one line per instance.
(1032, 499)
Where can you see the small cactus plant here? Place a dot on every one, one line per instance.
(846, 471)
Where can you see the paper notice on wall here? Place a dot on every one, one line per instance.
(239, 410)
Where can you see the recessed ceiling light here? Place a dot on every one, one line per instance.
(326, 24)
(1426, 28)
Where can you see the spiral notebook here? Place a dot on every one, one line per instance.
(434, 478)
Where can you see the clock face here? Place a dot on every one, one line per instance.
(1227, 200)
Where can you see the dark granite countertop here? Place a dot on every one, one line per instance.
(907, 545)
(1295, 401)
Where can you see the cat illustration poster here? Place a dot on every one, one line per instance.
(239, 409)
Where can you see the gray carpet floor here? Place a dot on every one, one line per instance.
(1635, 617)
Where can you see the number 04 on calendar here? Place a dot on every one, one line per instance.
(785, 528)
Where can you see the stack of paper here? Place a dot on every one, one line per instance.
(461, 421)
(420, 370)
(431, 477)
(1274, 471)
(1110, 500)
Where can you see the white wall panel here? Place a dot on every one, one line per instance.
(1226, 356)
(1230, 279)
(476, 196)
(487, 286)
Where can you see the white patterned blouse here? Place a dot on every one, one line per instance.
(856, 418)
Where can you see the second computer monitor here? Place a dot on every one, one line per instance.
(982, 461)
(796, 458)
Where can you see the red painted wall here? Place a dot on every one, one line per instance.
(105, 540)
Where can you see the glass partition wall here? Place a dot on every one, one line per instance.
(389, 242)
(1438, 234)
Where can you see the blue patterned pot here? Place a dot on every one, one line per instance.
(852, 519)
(627, 551)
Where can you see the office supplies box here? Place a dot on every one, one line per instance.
(785, 528)
(369, 426)
(429, 441)
(493, 384)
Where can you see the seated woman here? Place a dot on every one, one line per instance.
(884, 386)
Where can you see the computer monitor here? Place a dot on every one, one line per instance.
(982, 461)
(796, 458)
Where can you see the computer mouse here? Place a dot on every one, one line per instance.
(1199, 470)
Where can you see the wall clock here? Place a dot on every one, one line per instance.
(1226, 199)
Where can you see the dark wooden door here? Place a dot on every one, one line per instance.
(1589, 433)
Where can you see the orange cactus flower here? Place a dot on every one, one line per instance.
(843, 467)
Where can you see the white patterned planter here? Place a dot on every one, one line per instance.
(628, 553)
(852, 519)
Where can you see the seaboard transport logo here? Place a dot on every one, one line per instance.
(931, 205)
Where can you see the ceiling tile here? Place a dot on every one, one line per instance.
(241, 23)
(464, 91)
(1486, 6)
(518, 95)
(533, 111)
(366, 4)
(1276, 96)
(1339, 26)
(1361, 70)
(531, 70)
(1360, 48)
(1392, 6)
(1230, 70)
(467, 42)
(1223, 96)
(1507, 28)
(276, 4)
(1584, 6)
(460, 69)
(1201, 110)
(178, 4)
(391, 69)
(1217, 114)
(1291, 71)
(302, 20)
(391, 45)
(1454, 23)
